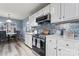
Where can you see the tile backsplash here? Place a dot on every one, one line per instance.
(50, 27)
(70, 27)
(60, 29)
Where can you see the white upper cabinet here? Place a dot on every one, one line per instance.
(64, 11)
(32, 20)
(69, 11)
(77, 9)
(59, 12)
(29, 23)
(43, 11)
(55, 12)
(46, 10)
(28, 40)
(40, 13)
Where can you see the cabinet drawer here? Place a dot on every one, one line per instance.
(50, 46)
(68, 44)
(67, 52)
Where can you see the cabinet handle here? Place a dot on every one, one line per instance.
(59, 49)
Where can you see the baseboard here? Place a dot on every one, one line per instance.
(32, 50)
(28, 46)
(35, 53)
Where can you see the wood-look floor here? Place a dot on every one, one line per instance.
(14, 48)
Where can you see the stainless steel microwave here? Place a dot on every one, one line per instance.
(43, 18)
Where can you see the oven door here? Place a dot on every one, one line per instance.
(38, 46)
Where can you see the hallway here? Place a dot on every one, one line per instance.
(15, 48)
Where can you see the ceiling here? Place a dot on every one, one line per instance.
(19, 10)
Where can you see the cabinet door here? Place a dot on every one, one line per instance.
(32, 20)
(77, 9)
(70, 11)
(29, 24)
(40, 13)
(65, 52)
(69, 44)
(67, 48)
(50, 46)
(46, 9)
(35, 16)
(28, 40)
(55, 12)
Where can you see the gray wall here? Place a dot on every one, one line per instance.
(19, 23)
(24, 21)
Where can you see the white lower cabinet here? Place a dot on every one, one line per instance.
(50, 46)
(67, 48)
(65, 52)
(28, 40)
(57, 46)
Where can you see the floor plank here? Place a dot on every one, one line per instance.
(15, 48)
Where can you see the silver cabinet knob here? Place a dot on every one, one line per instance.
(59, 49)
(50, 40)
(67, 44)
(63, 17)
(54, 48)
